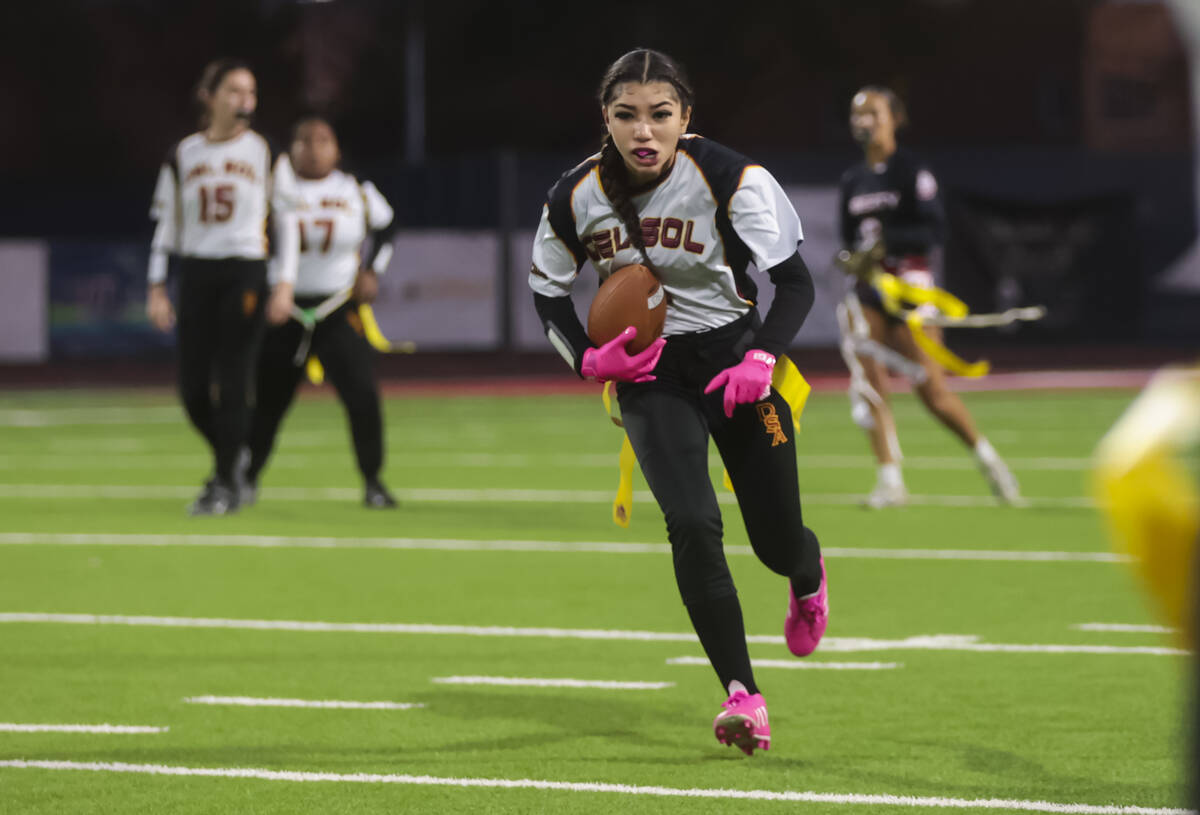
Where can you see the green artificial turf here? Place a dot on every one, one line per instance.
(951, 724)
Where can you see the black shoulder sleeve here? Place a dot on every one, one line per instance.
(794, 294)
(562, 218)
(722, 169)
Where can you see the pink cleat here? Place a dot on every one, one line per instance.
(743, 721)
(807, 618)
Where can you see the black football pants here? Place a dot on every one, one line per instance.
(348, 360)
(669, 422)
(219, 328)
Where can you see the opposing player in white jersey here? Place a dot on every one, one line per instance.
(216, 192)
(336, 213)
(890, 204)
(697, 214)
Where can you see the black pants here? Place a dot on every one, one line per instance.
(348, 359)
(669, 422)
(220, 323)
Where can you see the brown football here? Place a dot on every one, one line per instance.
(631, 296)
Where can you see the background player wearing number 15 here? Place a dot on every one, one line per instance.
(214, 194)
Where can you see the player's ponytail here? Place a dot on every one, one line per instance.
(641, 65)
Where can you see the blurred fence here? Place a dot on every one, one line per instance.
(1087, 236)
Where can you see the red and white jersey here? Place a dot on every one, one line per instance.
(213, 198)
(702, 225)
(335, 214)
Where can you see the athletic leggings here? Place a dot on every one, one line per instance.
(348, 360)
(219, 328)
(669, 421)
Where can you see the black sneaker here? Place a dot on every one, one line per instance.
(377, 496)
(217, 498)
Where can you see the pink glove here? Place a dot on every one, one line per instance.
(612, 361)
(748, 381)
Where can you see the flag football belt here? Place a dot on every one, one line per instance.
(903, 301)
(308, 319)
(895, 293)
(786, 379)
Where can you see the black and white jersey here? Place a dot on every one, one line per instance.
(896, 201)
(335, 214)
(213, 199)
(714, 214)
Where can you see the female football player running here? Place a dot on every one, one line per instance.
(337, 212)
(215, 192)
(890, 209)
(697, 214)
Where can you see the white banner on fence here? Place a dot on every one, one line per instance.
(24, 308)
(440, 290)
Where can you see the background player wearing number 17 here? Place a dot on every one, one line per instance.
(336, 212)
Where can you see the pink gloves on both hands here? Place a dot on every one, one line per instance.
(748, 381)
(612, 362)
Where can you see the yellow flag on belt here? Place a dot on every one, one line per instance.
(373, 334)
(786, 379)
(895, 292)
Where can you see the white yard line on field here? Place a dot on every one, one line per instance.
(485, 545)
(1125, 628)
(255, 701)
(127, 460)
(57, 417)
(1067, 463)
(532, 682)
(595, 787)
(796, 664)
(107, 729)
(929, 642)
(498, 495)
(1015, 555)
(78, 449)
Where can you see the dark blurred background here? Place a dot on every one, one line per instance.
(1061, 133)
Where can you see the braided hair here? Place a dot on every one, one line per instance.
(642, 66)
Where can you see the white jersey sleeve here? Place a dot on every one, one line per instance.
(284, 202)
(379, 216)
(554, 266)
(764, 218)
(379, 211)
(165, 210)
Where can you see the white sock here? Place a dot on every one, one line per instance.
(985, 452)
(890, 476)
(736, 686)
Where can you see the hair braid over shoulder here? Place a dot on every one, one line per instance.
(615, 181)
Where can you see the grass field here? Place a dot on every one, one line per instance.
(502, 562)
